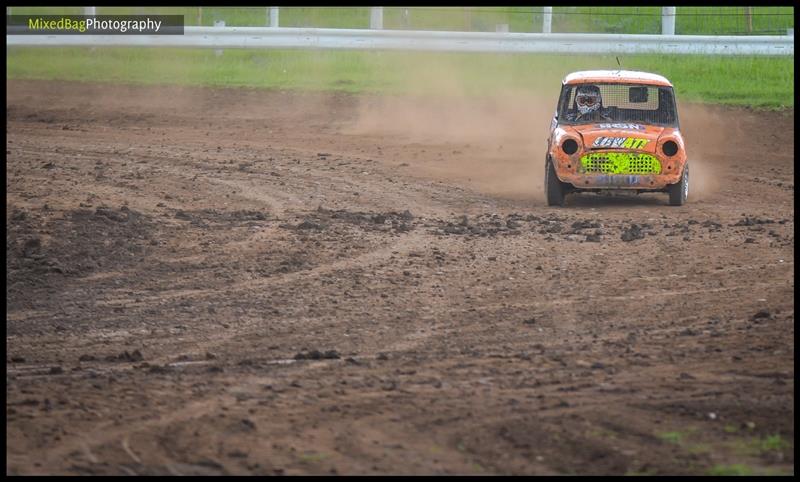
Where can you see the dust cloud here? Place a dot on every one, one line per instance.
(493, 141)
(710, 133)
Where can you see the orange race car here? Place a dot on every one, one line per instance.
(616, 130)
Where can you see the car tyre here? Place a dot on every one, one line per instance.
(554, 189)
(679, 192)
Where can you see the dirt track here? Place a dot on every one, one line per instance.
(207, 281)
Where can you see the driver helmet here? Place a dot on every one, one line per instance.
(588, 99)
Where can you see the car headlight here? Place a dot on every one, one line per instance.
(670, 148)
(570, 146)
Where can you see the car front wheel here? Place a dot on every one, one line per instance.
(679, 192)
(554, 189)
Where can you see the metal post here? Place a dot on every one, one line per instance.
(748, 11)
(376, 18)
(90, 11)
(667, 20)
(547, 20)
(218, 23)
(273, 16)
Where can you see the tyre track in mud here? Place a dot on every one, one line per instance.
(480, 333)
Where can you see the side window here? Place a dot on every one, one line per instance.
(565, 101)
(558, 104)
(666, 102)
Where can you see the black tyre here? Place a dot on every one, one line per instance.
(554, 189)
(679, 192)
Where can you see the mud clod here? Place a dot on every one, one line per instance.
(577, 225)
(31, 247)
(318, 355)
(762, 315)
(754, 221)
(310, 225)
(159, 369)
(135, 356)
(632, 233)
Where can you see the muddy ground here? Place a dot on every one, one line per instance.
(209, 281)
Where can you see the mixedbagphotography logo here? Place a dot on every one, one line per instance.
(94, 24)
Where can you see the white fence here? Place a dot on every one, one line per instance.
(358, 39)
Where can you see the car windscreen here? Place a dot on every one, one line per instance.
(619, 103)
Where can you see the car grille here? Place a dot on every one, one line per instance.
(620, 163)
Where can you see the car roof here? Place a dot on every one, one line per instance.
(615, 76)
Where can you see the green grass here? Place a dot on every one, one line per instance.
(753, 81)
(741, 448)
(773, 443)
(649, 472)
(731, 428)
(312, 457)
(671, 437)
(760, 446)
(742, 469)
(735, 469)
(645, 20)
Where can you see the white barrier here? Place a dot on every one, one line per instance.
(353, 39)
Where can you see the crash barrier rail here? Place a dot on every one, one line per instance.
(359, 39)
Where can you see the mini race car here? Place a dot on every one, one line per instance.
(616, 130)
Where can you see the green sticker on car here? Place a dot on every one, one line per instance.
(620, 163)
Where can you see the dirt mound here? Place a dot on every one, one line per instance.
(44, 252)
